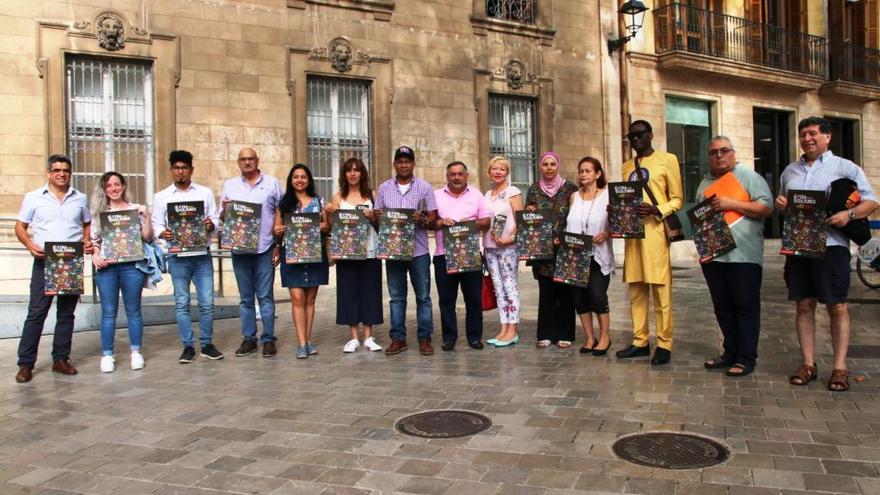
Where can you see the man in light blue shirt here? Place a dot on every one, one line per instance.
(734, 278)
(255, 273)
(55, 212)
(826, 279)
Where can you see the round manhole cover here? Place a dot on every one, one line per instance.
(443, 424)
(671, 450)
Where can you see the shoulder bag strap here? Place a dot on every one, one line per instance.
(644, 182)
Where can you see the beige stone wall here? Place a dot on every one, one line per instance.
(233, 86)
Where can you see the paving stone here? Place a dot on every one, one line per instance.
(830, 483)
(850, 468)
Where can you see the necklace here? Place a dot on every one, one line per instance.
(585, 221)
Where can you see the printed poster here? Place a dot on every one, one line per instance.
(121, 239)
(397, 234)
(804, 231)
(573, 259)
(712, 234)
(241, 227)
(63, 273)
(624, 198)
(534, 234)
(302, 238)
(186, 221)
(461, 243)
(349, 235)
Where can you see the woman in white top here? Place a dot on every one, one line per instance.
(358, 282)
(588, 215)
(501, 254)
(111, 278)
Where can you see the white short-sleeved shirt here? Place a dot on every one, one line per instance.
(53, 220)
(172, 194)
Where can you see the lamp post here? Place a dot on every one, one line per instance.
(633, 14)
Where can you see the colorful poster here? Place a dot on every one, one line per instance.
(186, 221)
(241, 227)
(397, 234)
(498, 224)
(573, 259)
(63, 272)
(804, 231)
(349, 235)
(534, 234)
(302, 238)
(461, 243)
(121, 236)
(712, 234)
(624, 198)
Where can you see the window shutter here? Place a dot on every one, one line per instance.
(873, 18)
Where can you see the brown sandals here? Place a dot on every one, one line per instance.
(804, 375)
(839, 381)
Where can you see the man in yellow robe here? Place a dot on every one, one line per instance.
(646, 266)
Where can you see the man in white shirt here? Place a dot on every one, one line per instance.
(55, 212)
(185, 268)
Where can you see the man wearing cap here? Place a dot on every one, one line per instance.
(404, 190)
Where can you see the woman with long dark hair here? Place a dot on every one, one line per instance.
(555, 305)
(358, 282)
(588, 214)
(302, 280)
(111, 194)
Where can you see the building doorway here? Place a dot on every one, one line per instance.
(772, 144)
(843, 138)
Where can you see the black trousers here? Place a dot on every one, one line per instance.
(447, 290)
(38, 309)
(555, 310)
(736, 295)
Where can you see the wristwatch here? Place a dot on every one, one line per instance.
(852, 213)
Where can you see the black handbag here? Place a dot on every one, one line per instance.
(671, 224)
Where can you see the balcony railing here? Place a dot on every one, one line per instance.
(692, 30)
(512, 10)
(854, 63)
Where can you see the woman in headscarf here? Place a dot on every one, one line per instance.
(556, 318)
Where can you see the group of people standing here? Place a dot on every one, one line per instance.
(59, 212)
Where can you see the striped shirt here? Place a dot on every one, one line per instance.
(419, 196)
(818, 177)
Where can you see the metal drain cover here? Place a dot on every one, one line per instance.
(671, 450)
(443, 424)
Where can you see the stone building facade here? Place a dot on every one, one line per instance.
(118, 84)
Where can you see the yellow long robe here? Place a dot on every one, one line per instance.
(647, 260)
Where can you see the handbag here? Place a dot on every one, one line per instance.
(672, 227)
(487, 299)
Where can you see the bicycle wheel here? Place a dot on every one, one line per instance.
(867, 274)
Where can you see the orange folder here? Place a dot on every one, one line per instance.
(728, 186)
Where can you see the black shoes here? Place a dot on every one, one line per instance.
(187, 355)
(269, 350)
(211, 352)
(476, 345)
(661, 357)
(247, 347)
(447, 346)
(632, 351)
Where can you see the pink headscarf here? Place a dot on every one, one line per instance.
(550, 187)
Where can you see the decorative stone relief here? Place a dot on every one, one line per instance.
(110, 30)
(340, 54)
(515, 74)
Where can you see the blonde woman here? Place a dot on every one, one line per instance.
(504, 200)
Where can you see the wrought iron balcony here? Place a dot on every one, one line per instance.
(855, 64)
(683, 29)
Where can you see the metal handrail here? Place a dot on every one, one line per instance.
(853, 63)
(694, 30)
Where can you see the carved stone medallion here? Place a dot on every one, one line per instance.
(516, 74)
(110, 29)
(341, 54)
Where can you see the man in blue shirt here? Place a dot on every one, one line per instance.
(825, 279)
(55, 212)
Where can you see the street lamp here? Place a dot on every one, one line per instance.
(633, 13)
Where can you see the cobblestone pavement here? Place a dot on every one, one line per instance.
(325, 425)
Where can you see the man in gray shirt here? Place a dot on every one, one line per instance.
(734, 278)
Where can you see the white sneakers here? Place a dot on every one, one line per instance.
(370, 343)
(351, 346)
(137, 360)
(108, 363)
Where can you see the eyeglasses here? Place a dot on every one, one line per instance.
(720, 152)
(184, 167)
(637, 135)
(60, 171)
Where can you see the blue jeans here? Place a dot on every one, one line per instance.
(420, 275)
(111, 280)
(200, 271)
(255, 277)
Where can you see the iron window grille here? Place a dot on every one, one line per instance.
(512, 126)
